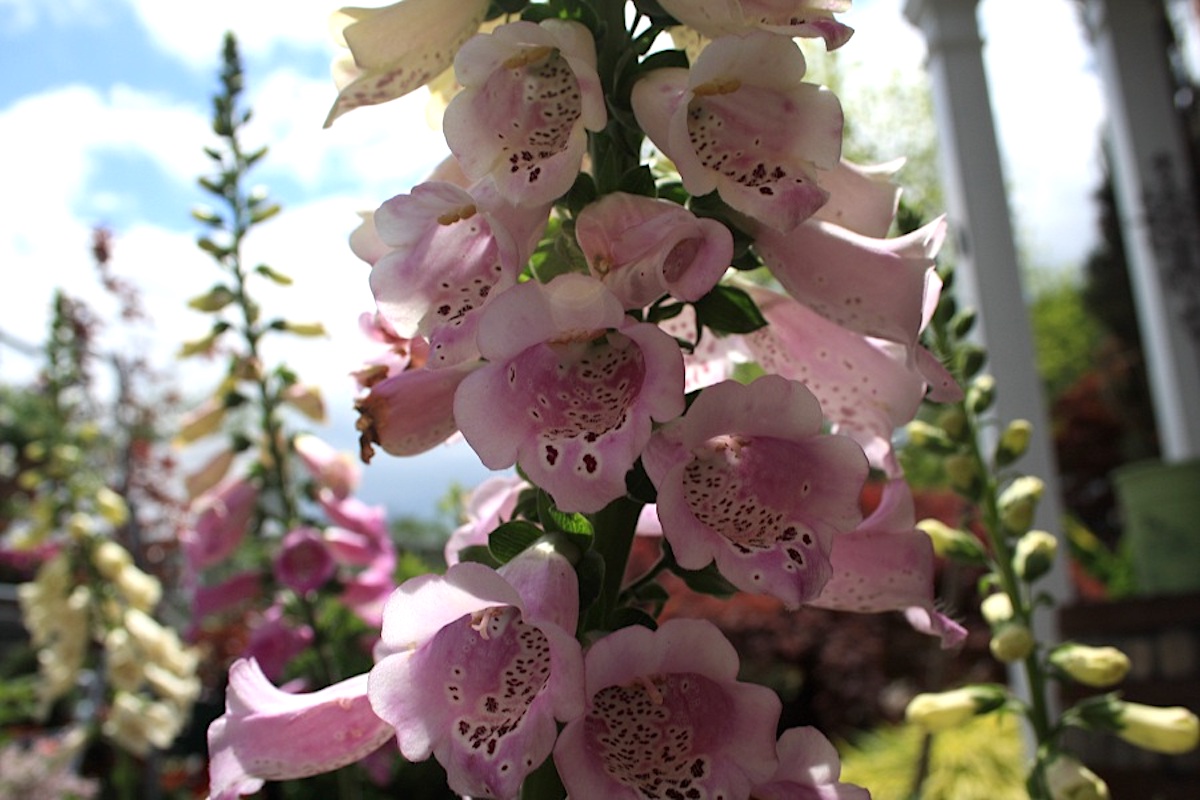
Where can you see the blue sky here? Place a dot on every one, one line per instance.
(103, 112)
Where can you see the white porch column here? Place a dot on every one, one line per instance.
(987, 275)
(1157, 204)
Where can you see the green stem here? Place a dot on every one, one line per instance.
(615, 526)
(543, 783)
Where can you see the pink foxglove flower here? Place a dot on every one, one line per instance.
(410, 412)
(886, 564)
(274, 642)
(643, 248)
(227, 595)
(666, 717)
(398, 48)
(268, 734)
(808, 770)
(303, 563)
(223, 517)
(867, 387)
(328, 466)
(746, 478)
(862, 198)
(570, 390)
(480, 664)
(877, 287)
(530, 93)
(742, 122)
(807, 18)
(490, 504)
(452, 250)
(713, 360)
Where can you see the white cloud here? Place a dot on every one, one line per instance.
(17, 16)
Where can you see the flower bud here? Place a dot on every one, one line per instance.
(1014, 441)
(981, 394)
(300, 328)
(80, 526)
(141, 590)
(201, 421)
(307, 400)
(214, 299)
(1171, 730)
(939, 711)
(953, 543)
(930, 437)
(963, 473)
(1067, 779)
(953, 421)
(1018, 502)
(111, 506)
(1034, 555)
(997, 608)
(1011, 642)
(110, 558)
(1091, 666)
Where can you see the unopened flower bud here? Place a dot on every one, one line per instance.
(201, 421)
(981, 394)
(962, 472)
(1171, 730)
(1011, 642)
(307, 400)
(953, 421)
(300, 328)
(141, 590)
(1018, 502)
(939, 711)
(1091, 666)
(997, 608)
(80, 525)
(1067, 779)
(1034, 555)
(110, 558)
(214, 299)
(1014, 441)
(112, 506)
(953, 543)
(931, 437)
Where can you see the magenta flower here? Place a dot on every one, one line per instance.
(742, 122)
(808, 770)
(807, 18)
(530, 93)
(886, 564)
(234, 591)
(487, 506)
(410, 412)
(877, 287)
(303, 563)
(479, 666)
(274, 642)
(642, 248)
(571, 389)
(451, 251)
(223, 517)
(666, 717)
(746, 478)
(328, 466)
(267, 734)
(867, 387)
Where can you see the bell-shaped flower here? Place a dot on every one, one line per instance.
(223, 516)
(530, 93)
(452, 250)
(570, 390)
(397, 48)
(267, 734)
(886, 564)
(746, 479)
(742, 122)
(862, 198)
(479, 666)
(806, 18)
(643, 248)
(328, 466)
(666, 717)
(877, 287)
(711, 361)
(867, 387)
(809, 769)
(489, 505)
(303, 563)
(410, 412)
(274, 642)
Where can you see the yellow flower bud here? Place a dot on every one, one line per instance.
(307, 400)
(953, 421)
(303, 328)
(962, 472)
(110, 558)
(112, 506)
(1067, 779)
(201, 421)
(922, 434)
(1018, 502)
(1011, 642)
(1171, 730)
(141, 590)
(1014, 441)
(80, 525)
(1034, 555)
(997, 608)
(35, 451)
(939, 711)
(953, 543)
(1091, 666)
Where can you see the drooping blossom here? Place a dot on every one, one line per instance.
(410, 412)
(867, 387)
(530, 93)
(359, 542)
(223, 516)
(303, 562)
(398, 354)
(807, 18)
(487, 506)
(570, 391)
(746, 479)
(666, 717)
(329, 467)
(397, 48)
(210, 474)
(643, 248)
(862, 197)
(711, 361)
(877, 287)
(236, 590)
(451, 251)
(742, 122)
(808, 770)
(886, 564)
(274, 642)
(479, 666)
(267, 734)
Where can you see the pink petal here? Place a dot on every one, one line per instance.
(224, 514)
(491, 503)
(411, 412)
(328, 466)
(274, 642)
(808, 770)
(862, 199)
(303, 563)
(813, 18)
(270, 735)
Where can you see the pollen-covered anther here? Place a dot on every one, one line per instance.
(457, 214)
(717, 86)
(648, 685)
(491, 621)
(577, 336)
(530, 55)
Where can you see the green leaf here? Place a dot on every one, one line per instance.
(664, 59)
(639, 180)
(507, 541)
(638, 484)
(581, 193)
(266, 213)
(577, 527)
(478, 554)
(727, 309)
(665, 311)
(212, 248)
(628, 617)
(590, 570)
(707, 581)
(277, 277)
